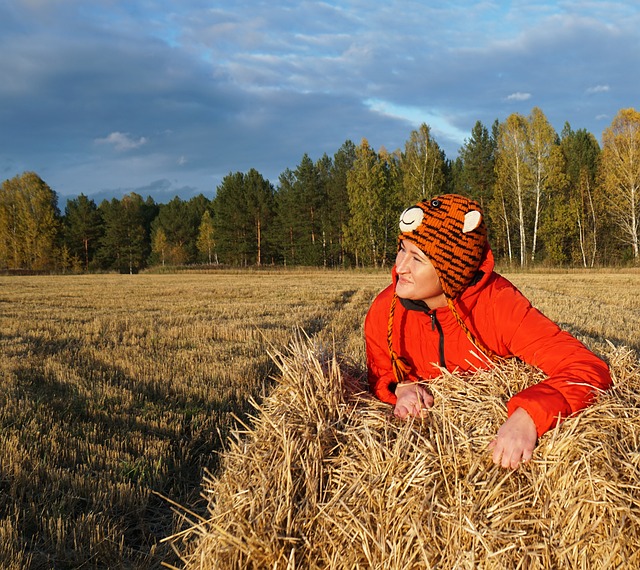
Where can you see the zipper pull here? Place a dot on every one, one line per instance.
(433, 321)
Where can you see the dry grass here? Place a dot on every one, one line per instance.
(325, 478)
(117, 391)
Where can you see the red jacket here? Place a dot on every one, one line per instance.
(504, 320)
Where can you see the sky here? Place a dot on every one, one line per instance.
(165, 98)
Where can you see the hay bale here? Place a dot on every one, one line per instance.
(326, 477)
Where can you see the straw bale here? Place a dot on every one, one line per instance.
(325, 477)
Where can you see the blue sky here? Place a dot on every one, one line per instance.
(166, 97)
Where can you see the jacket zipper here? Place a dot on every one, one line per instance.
(436, 325)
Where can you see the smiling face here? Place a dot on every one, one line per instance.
(417, 277)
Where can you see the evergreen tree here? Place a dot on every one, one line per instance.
(574, 220)
(82, 225)
(477, 157)
(287, 224)
(422, 167)
(242, 214)
(369, 224)
(392, 204)
(324, 168)
(259, 198)
(125, 244)
(179, 221)
(233, 229)
(337, 200)
(300, 205)
(310, 195)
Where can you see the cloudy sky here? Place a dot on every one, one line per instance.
(166, 97)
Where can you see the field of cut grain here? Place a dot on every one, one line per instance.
(117, 393)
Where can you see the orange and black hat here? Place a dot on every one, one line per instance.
(450, 230)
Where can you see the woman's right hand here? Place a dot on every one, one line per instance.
(413, 399)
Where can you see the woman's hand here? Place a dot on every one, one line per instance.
(413, 400)
(515, 441)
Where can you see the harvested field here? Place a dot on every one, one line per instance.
(118, 392)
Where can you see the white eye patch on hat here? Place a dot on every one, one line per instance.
(412, 217)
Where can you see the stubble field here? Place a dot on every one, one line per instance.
(117, 392)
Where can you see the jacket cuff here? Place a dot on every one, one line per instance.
(544, 404)
(384, 391)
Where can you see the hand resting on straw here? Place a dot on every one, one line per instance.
(515, 441)
(413, 400)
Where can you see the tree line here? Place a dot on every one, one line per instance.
(549, 198)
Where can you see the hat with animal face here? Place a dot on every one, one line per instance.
(451, 232)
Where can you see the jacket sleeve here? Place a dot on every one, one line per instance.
(379, 371)
(575, 376)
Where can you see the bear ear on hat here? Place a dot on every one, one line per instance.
(472, 220)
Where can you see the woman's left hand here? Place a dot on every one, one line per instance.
(515, 441)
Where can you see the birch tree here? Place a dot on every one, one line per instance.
(206, 238)
(160, 245)
(29, 223)
(621, 175)
(513, 177)
(546, 163)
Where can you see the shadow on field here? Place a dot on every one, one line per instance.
(94, 451)
(95, 455)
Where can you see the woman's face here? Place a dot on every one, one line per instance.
(417, 277)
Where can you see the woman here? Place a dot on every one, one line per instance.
(447, 308)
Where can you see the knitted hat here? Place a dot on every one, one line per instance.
(451, 232)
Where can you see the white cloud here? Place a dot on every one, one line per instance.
(416, 116)
(122, 141)
(518, 96)
(598, 89)
(302, 77)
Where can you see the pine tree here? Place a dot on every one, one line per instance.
(83, 227)
(422, 167)
(125, 244)
(368, 226)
